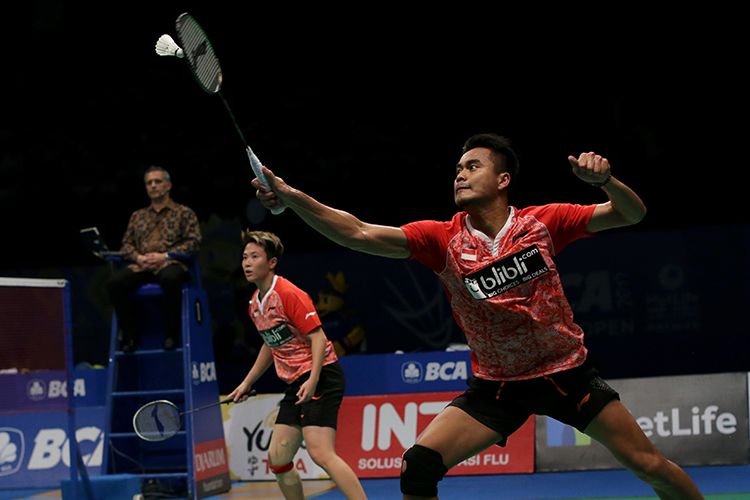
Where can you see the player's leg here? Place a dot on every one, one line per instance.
(616, 429)
(437, 450)
(321, 445)
(580, 398)
(319, 421)
(285, 442)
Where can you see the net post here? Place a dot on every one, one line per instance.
(77, 467)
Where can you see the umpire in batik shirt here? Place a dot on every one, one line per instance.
(154, 233)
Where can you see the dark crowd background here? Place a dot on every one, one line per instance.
(363, 106)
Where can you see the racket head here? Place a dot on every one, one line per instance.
(157, 420)
(199, 53)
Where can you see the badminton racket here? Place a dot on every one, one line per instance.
(160, 420)
(204, 64)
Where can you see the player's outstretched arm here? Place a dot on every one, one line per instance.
(337, 225)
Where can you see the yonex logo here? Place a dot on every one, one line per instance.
(11, 450)
(412, 372)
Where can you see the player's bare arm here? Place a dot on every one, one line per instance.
(337, 225)
(624, 207)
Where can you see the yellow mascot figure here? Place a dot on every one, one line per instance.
(339, 321)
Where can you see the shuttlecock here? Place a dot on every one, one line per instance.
(166, 46)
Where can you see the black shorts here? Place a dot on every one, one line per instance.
(573, 397)
(322, 411)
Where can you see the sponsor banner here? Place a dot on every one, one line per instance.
(48, 390)
(248, 428)
(210, 459)
(692, 419)
(211, 469)
(437, 371)
(35, 453)
(375, 431)
(204, 390)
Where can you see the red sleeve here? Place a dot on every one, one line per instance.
(428, 241)
(299, 308)
(564, 221)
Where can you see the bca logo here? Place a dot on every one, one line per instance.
(412, 372)
(36, 389)
(203, 372)
(11, 450)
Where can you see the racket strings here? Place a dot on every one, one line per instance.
(157, 421)
(200, 54)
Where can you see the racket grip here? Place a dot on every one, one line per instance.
(258, 171)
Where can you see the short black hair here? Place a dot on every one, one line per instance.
(267, 241)
(499, 145)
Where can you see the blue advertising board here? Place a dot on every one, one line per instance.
(35, 446)
(437, 371)
(48, 390)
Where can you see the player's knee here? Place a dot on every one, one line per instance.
(286, 473)
(421, 470)
(281, 469)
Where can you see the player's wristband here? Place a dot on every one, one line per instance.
(603, 183)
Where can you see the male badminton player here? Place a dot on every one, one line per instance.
(496, 263)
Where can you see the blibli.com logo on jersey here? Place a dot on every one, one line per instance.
(11, 450)
(559, 434)
(507, 273)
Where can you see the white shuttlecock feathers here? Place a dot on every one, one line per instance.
(166, 46)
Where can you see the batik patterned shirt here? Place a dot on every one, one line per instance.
(506, 293)
(174, 228)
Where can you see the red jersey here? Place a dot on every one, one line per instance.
(283, 318)
(506, 293)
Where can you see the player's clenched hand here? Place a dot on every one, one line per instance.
(271, 195)
(590, 167)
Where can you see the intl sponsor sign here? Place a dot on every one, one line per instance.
(375, 431)
(692, 419)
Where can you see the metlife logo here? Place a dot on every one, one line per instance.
(700, 424)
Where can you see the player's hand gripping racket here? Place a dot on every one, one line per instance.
(160, 420)
(200, 56)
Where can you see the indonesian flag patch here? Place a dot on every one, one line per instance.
(469, 254)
